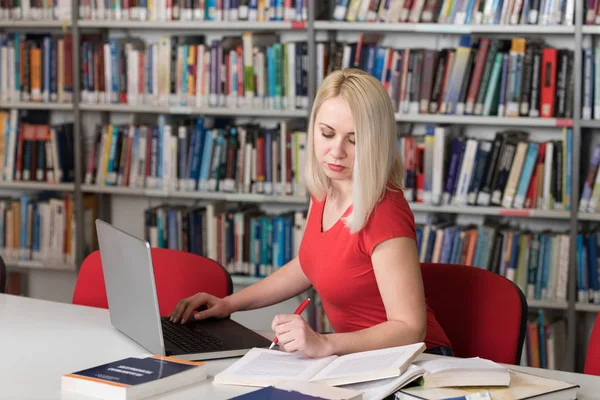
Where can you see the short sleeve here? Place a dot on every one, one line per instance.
(391, 218)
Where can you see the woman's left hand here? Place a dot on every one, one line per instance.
(295, 335)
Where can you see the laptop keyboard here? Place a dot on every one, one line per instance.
(191, 340)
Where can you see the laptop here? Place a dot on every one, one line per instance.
(133, 306)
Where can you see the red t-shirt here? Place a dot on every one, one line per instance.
(339, 266)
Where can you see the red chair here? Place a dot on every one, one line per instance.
(177, 275)
(592, 358)
(483, 314)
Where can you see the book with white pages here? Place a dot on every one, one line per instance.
(523, 386)
(475, 371)
(382, 388)
(262, 367)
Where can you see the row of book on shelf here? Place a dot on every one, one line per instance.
(254, 70)
(518, 77)
(537, 262)
(36, 68)
(443, 167)
(33, 150)
(211, 10)
(545, 343)
(590, 108)
(245, 240)
(191, 155)
(58, 10)
(41, 228)
(475, 12)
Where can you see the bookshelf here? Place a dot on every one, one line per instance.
(310, 29)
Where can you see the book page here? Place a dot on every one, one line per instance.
(382, 388)
(459, 364)
(262, 367)
(368, 365)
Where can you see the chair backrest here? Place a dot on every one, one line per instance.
(3, 274)
(592, 358)
(483, 314)
(177, 275)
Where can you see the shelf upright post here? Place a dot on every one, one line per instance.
(576, 136)
(104, 199)
(77, 133)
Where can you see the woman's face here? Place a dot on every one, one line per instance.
(334, 139)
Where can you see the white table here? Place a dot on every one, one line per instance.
(42, 340)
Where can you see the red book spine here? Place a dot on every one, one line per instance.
(484, 45)
(548, 82)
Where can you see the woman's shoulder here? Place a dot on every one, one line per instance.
(393, 197)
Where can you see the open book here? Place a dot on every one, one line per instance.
(262, 367)
(522, 386)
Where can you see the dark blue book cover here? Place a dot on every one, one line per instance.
(135, 371)
(272, 393)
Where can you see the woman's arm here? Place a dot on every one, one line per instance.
(287, 282)
(398, 274)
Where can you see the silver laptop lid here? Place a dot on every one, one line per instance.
(130, 287)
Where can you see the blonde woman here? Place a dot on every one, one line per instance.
(359, 246)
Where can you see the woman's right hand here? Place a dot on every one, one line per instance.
(215, 307)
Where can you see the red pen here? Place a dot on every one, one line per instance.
(298, 311)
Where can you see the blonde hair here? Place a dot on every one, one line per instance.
(377, 163)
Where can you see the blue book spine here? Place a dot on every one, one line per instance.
(270, 77)
(568, 168)
(502, 100)
(113, 42)
(211, 10)
(172, 229)
(455, 159)
(17, 39)
(148, 67)
(24, 200)
(592, 249)
(542, 340)
(470, 12)
(530, 159)
(37, 229)
(540, 269)
(379, 59)
(161, 149)
(46, 61)
(183, 100)
(288, 226)
(206, 159)
(111, 156)
(199, 135)
(154, 155)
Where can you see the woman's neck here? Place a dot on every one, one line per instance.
(340, 192)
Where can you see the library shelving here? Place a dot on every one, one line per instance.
(31, 105)
(196, 26)
(443, 28)
(311, 27)
(195, 195)
(185, 110)
(482, 120)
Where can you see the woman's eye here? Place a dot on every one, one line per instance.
(351, 140)
(328, 136)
